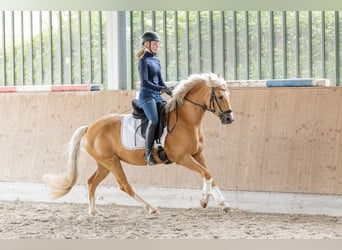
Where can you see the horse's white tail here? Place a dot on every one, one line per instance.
(60, 185)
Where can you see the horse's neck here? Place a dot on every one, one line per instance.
(190, 113)
(193, 115)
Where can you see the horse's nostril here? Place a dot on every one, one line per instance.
(230, 119)
(227, 119)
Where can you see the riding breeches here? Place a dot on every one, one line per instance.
(148, 101)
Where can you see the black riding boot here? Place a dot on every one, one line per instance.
(149, 142)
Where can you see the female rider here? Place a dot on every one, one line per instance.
(151, 87)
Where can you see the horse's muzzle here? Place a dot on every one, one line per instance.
(227, 117)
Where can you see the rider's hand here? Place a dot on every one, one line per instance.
(166, 90)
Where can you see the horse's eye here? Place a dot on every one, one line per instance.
(220, 97)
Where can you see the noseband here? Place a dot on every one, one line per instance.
(213, 100)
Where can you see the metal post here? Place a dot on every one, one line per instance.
(32, 64)
(188, 43)
(153, 20)
(247, 44)
(60, 47)
(4, 57)
(323, 44)
(116, 50)
(40, 50)
(223, 44)
(298, 74)
(176, 45)
(100, 56)
(199, 42)
(165, 42)
(211, 41)
(51, 49)
(70, 62)
(22, 50)
(284, 45)
(310, 42)
(132, 55)
(272, 44)
(90, 44)
(80, 72)
(235, 60)
(13, 50)
(259, 45)
(337, 48)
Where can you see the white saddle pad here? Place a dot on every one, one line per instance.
(131, 136)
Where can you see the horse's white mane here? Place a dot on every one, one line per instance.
(208, 79)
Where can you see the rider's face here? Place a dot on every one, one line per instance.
(154, 46)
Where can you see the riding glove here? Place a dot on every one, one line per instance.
(166, 90)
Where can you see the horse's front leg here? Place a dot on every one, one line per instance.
(197, 164)
(206, 191)
(210, 188)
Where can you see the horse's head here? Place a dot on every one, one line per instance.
(208, 91)
(219, 101)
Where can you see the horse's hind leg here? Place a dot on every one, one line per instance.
(93, 182)
(115, 167)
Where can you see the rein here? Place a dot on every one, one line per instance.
(168, 121)
(213, 99)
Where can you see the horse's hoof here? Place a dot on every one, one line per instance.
(154, 212)
(227, 209)
(94, 212)
(203, 203)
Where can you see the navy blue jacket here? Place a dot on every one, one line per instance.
(150, 72)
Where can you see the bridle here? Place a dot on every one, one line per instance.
(213, 100)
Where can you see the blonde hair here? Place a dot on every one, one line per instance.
(139, 54)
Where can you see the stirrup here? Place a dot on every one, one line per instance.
(150, 159)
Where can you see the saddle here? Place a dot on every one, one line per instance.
(138, 113)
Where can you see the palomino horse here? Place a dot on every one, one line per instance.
(184, 142)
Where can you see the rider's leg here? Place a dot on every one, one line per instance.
(149, 143)
(150, 109)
